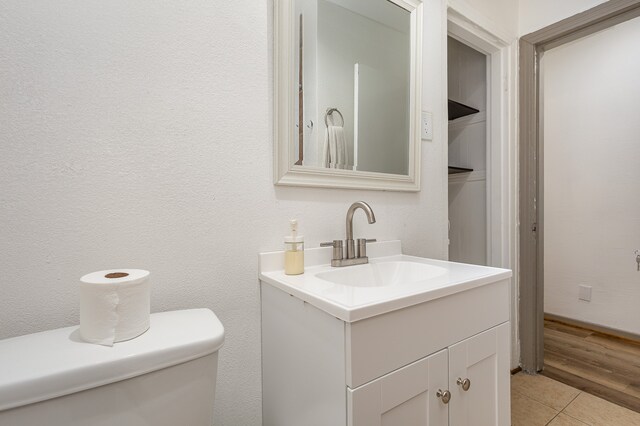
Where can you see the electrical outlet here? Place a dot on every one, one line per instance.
(427, 126)
(584, 293)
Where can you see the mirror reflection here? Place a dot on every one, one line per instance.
(352, 67)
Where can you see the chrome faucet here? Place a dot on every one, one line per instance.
(352, 257)
(351, 253)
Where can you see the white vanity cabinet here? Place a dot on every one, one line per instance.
(413, 395)
(388, 369)
(403, 397)
(483, 360)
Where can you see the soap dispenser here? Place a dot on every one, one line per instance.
(294, 251)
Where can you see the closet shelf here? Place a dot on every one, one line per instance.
(457, 110)
(458, 170)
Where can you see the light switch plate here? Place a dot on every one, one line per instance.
(426, 126)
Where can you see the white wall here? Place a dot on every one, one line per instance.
(591, 158)
(537, 14)
(497, 16)
(138, 134)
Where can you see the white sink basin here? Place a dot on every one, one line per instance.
(391, 280)
(382, 274)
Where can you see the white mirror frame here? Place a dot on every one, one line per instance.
(285, 93)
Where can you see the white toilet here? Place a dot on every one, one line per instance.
(166, 376)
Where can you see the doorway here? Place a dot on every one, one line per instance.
(535, 223)
(590, 90)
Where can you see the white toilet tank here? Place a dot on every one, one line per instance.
(166, 376)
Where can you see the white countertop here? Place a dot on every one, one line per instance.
(353, 303)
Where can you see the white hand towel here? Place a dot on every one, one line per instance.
(342, 156)
(333, 148)
(334, 151)
(325, 158)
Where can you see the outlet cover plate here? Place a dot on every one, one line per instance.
(584, 293)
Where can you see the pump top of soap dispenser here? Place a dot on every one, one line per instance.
(294, 237)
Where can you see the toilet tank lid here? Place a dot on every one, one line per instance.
(45, 365)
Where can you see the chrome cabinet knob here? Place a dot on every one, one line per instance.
(445, 396)
(464, 383)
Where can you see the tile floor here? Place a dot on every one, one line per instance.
(540, 401)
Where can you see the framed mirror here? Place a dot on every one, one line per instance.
(347, 90)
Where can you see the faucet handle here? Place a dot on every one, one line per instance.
(337, 248)
(334, 243)
(362, 246)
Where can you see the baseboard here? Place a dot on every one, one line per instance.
(594, 327)
(516, 370)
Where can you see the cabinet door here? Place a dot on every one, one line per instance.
(404, 397)
(483, 360)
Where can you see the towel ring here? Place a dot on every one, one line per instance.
(331, 111)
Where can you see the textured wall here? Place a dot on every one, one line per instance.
(497, 16)
(138, 134)
(537, 14)
(592, 206)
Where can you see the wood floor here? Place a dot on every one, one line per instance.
(596, 363)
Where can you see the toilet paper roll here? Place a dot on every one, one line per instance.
(114, 305)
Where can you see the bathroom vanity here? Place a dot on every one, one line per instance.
(402, 340)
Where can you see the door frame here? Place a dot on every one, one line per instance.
(465, 26)
(531, 165)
